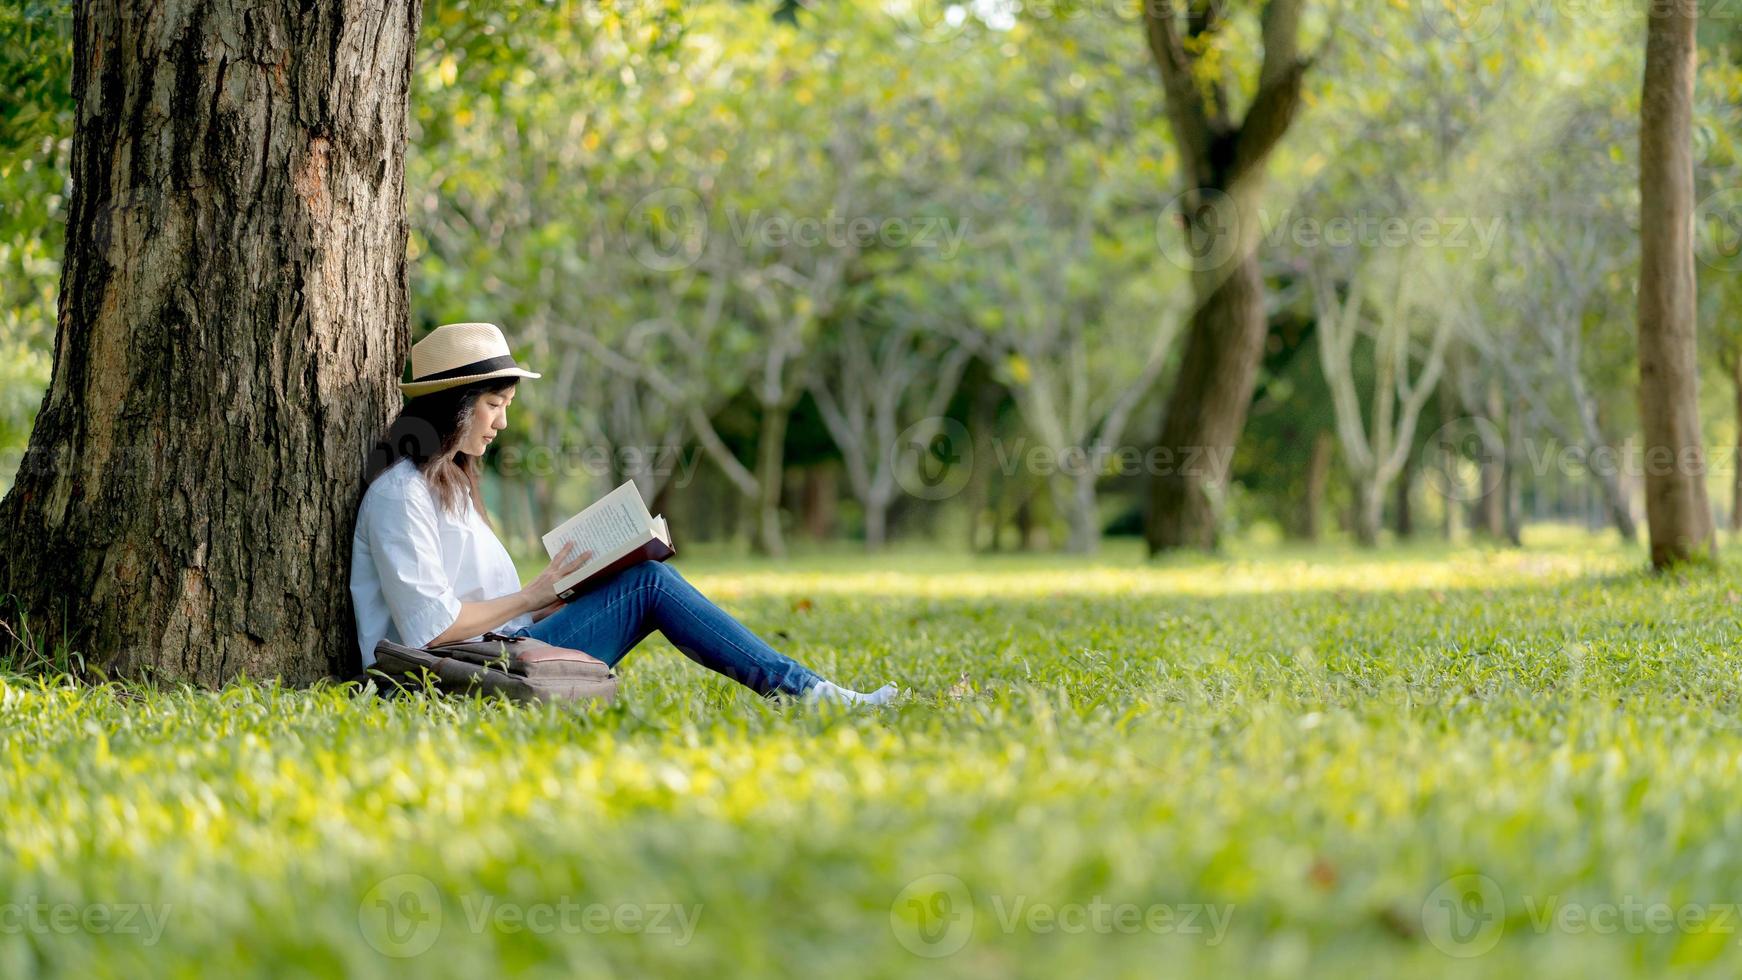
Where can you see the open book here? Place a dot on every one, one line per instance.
(619, 532)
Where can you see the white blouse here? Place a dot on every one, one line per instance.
(413, 562)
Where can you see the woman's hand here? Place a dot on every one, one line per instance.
(539, 614)
(540, 593)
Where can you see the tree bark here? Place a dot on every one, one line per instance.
(1369, 511)
(1082, 516)
(982, 417)
(1206, 411)
(817, 502)
(232, 321)
(1676, 507)
(1404, 518)
(1225, 160)
(1491, 504)
(1318, 480)
(1736, 463)
(770, 472)
(1512, 501)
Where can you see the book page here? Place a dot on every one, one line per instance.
(610, 528)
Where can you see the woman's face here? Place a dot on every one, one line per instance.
(489, 416)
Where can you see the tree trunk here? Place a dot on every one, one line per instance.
(1206, 410)
(1513, 476)
(1081, 513)
(876, 524)
(1225, 162)
(1491, 504)
(1615, 498)
(1676, 507)
(982, 416)
(1404, 519)
(770, 468)
(817, 501)
(1448, 459)
(1025, 524)
(1736, 462)
(1369, 511)
(1318, 480)
(232, 321)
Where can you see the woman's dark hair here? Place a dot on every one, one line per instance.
(427, 432)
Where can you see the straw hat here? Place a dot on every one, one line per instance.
(459, 353)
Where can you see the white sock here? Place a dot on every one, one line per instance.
(827, 691)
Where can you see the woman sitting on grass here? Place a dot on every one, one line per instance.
(427, 569)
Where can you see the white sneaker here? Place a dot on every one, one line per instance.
(836, 694)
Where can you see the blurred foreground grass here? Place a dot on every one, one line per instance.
(1417, 763)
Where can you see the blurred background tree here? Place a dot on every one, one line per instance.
(876, 271)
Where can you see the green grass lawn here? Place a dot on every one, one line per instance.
(1422, 762)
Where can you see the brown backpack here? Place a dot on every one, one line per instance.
(517, 667)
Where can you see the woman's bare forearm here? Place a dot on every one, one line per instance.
(477, 617)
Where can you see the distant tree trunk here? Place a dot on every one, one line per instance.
(1224, 159)
(982, 413)
(1736, 465)
(1491, 505)
(1676, 507)
(1615, 499)
(1369, 512)
(1513, 498)
(1318, 479)
(770, 473)
(1083, 515)
(1403, 520)
(1448, 461)
(817, 501)
(1025, 523)
(232, 322)
(1206, 410)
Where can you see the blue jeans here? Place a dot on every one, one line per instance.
(608, 621)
